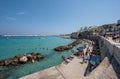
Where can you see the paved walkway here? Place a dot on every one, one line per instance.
(72, 70)
(50, 73)
(75, 70)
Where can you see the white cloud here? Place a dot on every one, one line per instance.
(10, 18)
(20, 13)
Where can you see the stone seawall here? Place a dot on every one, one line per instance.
(111, 50)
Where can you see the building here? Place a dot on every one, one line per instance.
(118, 22)
(74, 35)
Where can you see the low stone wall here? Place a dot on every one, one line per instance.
(110, 49)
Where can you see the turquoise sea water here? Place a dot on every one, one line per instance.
(11, 46)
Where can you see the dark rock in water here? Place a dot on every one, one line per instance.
(14, 63)
(29, 56)
(1, 63)
(7, 62)
(68, 47)
(39, 57)
(21, 59)
(60, 48)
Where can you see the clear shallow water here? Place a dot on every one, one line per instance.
(9, 47)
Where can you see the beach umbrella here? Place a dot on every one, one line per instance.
(80, 48)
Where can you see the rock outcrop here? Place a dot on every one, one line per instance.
(21, 59)
(68, 47)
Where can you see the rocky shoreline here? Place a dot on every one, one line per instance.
(68, 47)
(21, 59)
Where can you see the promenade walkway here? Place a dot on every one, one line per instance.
(73, 70)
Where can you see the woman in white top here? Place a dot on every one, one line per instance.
(90, 48)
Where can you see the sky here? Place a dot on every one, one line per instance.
(52, 17)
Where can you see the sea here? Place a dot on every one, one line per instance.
(19, 45)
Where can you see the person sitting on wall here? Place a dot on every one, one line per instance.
(81, 53)
(84, 54)
(92, 61)
(71, 57)
(98, 57)
(65, 59)
(86, 58)
(89, 67)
